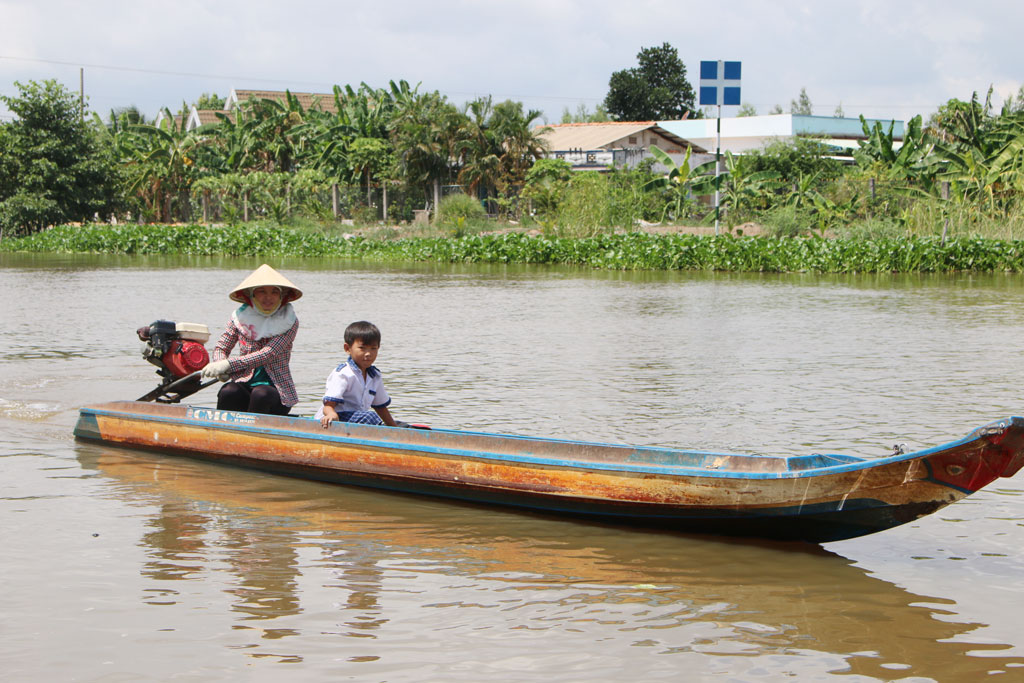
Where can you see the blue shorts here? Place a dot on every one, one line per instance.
(364, 417)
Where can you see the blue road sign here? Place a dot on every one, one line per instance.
(719, 83)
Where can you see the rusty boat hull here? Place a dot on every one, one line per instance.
(815, 498)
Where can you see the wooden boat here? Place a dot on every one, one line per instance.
(815, 498)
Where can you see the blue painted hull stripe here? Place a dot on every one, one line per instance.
(672, 470)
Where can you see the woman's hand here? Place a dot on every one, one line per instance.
(218, 369)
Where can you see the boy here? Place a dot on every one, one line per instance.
(355, 386)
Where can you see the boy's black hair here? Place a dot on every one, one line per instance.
(362, 331)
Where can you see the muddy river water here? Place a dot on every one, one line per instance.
(124, 565)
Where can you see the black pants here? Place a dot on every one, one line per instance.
(262, 398)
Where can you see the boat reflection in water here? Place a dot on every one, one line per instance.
(307, 567)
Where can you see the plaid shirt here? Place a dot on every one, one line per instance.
(273, 353)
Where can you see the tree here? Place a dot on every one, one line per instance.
(583, 115)
(1014, 104)
(682, 181)
(370, 157)
(802, 105)
(980, 154)
(54, 166)
(425, 133)
(792, 160)
(747, 109)
(497, 146)
(164, 167)
(655, 90)
(210, 101)
(521, 144)
(479, 149)
(747, 189)
(127, 115)
(960, 122)
(545, 185)
(280, 130)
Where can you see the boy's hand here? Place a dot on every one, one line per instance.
(329, 414)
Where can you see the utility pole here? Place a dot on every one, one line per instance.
(81, 91)
(718, 164)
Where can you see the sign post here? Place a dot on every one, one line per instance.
(719, 84)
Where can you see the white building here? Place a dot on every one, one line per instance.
(747, 133)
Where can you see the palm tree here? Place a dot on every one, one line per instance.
(522, 143)
(498, 146)
(425, 134)
(478, 151)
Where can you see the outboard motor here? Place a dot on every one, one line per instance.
(178, 352)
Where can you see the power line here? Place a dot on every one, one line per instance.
(155, 71)
(321, 84)
(251, 79)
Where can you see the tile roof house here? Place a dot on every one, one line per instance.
(597, 146)
(201, 117)
(196, 118)
(308, 100)
(162, 121)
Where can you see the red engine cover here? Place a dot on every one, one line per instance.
(185, 357)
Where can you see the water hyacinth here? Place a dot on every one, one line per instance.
(620, 251)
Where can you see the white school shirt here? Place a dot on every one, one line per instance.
(347, 388)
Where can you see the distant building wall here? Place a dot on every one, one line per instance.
(747, 133)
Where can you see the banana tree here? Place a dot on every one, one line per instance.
(682, 182)
(164, 163)
(906, 160)
(281, 131)
(745, 190)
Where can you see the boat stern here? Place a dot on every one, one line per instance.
(87, 427)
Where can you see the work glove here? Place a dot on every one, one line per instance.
(218, 369)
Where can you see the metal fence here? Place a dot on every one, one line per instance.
(390, 204)
(339, 203)
(393, 204)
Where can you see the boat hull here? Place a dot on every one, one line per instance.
(814, 498)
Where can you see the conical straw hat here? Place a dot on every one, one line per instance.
(265, 276)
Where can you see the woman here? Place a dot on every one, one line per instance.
(264, 328)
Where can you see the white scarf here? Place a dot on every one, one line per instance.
(254, 325)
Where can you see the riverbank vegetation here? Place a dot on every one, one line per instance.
(397, 162)
(621, 251)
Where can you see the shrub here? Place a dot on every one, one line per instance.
(459, 213)
(787, 221)
(364, 215)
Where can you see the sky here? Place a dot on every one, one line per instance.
(888, 59)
